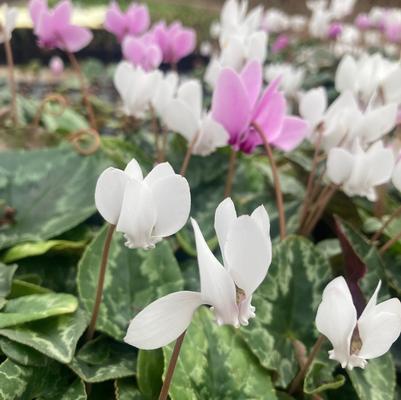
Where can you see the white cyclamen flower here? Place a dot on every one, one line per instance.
(145, 209)
(164, 93)
(185, 116)
(396, 178)
(359, 172)
(136, 87)
(357, 340)
(8, 18)
(291, 77)
(246, 248)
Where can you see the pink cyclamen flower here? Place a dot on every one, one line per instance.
(175, 41)
(56, 66)
(143, 51)
(134, 21)
(362, 22)
(392, 31)
(237, 104)
(280, 43)
(54, 29)
(335, 30)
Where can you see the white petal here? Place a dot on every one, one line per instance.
(172, 202)
(122, 75)
(346, 74)
(217, 286)
(381, 164)
(211, 136)
(313, 104)
(180, 118)
(163, 321)
(247, 253)
(190, 92)
(339, 165)
(224, 217)
(336, 318)
(133, 170)
(396, 178)
(162, 170)
(257, 46)
(380, 328)
(109, 193)
(392, 86)
(138, 215)
(261, 217)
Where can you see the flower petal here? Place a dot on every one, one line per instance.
(162, 170)
(251, 76)
(138, 215)
(133, 170)
(172, 202)
(391, 86)
(247, 253)
(346, 74)
(163, 321)
(293, 132)
(217, 286)
(381, 163)
(313, 104)
(109, 193)
(191, 93)
(230, 103)
(336, 318)
(75, 38)
(261, 217)
(339, 165)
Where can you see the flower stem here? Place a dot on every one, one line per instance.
(276, 181)
(99, 291)
(387, 245)
(13, 86)
(230, 174)
(301, 374)
(188, 155)
(84, 90)
(394, 215)
(171, 367)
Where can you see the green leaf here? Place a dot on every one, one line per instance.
(320, 378)
(286, 305)
(64, 122)
(25, 250)
(118, 361)
(214, 363)
(13, 380)
(377, 381)
(35, 307)
(75, 392)
(125, 389)
(134, 278)
(6, 276)
(22, 288)
(51, 191)
(22, 354)
(55, 337)
(149, 372)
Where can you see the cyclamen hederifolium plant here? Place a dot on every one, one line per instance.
(213, 216)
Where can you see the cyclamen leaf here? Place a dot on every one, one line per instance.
(51, 191)
(125, 389)
(36, 307)
(320, 378)
(149, 372)
(56, 337)
(13, 379)
(134, 278)
(75, 392)
(214, 363)
(22, 354)
(286, 305)
(6, 276)
(377, 381)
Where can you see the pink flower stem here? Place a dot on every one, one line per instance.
(294, 387)
(188, 155)
(11, 79)
(100, 284)
(171, 367)
(276, 181)
(230, 174)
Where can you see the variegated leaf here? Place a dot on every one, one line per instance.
(56, 337)
(214, 363)
(13, 379)
(125, 389)
(76, 391)
(286, 305)
(6, 276)
(51, 191)
(22, 354)
(134, 278)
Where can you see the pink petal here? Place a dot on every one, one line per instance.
(35, 8)
(133, 50)
(74, 38)
(138, 19)
(251, 76)
(293, 132)
(230, 104)
(183, 44)
(160, 36)
(154, 57)
(62, 14)
(45, 30)
(115, 21)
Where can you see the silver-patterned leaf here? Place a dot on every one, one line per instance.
(13, 379)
